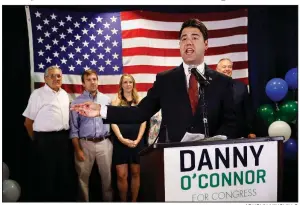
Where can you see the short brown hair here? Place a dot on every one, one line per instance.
(195, 23)
(88, 73)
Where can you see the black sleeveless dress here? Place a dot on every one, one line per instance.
(123, 154)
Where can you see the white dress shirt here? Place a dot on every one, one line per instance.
(200, 69)
(48, 109)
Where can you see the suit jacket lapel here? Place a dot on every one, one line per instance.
(210, 75)
(181, 89)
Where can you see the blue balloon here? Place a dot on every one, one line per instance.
(290, 149)
(291, 77)
(276, 89)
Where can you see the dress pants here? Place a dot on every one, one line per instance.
(102, 153)
(54, 173)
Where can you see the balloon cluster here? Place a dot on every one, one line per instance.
(11, 190)
(286, 112)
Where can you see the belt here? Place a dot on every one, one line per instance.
(95, 139)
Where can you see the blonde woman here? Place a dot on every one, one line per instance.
(127, 141)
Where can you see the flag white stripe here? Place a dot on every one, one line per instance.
(114, 79)
(174, 44)
(175, 61)
(175, 26)
(112, 96)
(242, 73)
(225, 41)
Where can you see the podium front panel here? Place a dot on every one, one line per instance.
(245, 172)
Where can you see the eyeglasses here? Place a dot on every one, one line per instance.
(54, 76)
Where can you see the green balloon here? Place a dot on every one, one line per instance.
(266, 112)
(281, 118)
(288, 111)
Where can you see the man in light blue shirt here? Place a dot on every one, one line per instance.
(90, 138)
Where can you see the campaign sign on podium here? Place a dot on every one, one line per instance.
(220, 173)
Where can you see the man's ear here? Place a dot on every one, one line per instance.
(206, 44)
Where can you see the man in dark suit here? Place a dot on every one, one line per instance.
(175, 92)
(241, 100)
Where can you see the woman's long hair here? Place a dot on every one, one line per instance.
(134, 94)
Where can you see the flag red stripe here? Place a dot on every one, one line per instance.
(175, 52)
(179, 17)
(244, 80)
(135, 33)
(156, 69)
(74, 88)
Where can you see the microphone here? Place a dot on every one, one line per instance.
(200, 77)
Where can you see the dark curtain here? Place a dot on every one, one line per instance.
(272, 46)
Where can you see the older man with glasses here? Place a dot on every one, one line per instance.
(47, 123)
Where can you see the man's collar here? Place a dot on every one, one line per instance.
(87, 93)
(200, 68)
(50, 89)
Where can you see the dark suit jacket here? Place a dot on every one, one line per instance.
(169, 92)
(243, 108)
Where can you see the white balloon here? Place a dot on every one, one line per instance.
(280, 128)
(11, 191)
(5, 171)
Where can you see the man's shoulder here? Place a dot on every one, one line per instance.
(79, 99)
(63, 92)
(240, 85)
(37, 92)
(220, 76)
(65, 95)
(169, 73)
(104, 97)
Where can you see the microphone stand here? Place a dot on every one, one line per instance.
(203, 82)
(167, 140)
(203, 107)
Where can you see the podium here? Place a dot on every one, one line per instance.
(233, 170)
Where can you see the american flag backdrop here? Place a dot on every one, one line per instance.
(141, 43)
